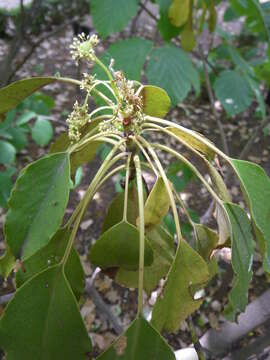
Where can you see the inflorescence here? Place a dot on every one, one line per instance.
(126, 112)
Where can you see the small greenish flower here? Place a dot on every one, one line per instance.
(76, 120)
(83, 47)
(88, 82)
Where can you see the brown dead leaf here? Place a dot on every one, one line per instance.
(120, 345)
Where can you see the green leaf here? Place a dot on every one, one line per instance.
(239, 61)
(256, 187)
(218, 183)
(175, 303)
(179, 11)
(249, 74)
(119, 247)
(179, 174)
(207, 240)
(7, 262)
(5, 188)
(192, 139)
(122, 51)
(42, 131)
(223, 226)
(242, 258)
(233, 91)
(167, 30)
(63, 142)
(82, 156)
(163, 252)
(19, 139)
(156, 101)
(7, 152)
(255, 87)
(212, 19)
(115, 211)
(14, 93)
(110, 16)
(140, 341)
(170, 225)
(154, 214)
(188, 38)
(25, 118)
(43, 321)
(256, 15)
(37, 204)
(171, 68)
(49, 256)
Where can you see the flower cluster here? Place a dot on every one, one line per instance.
(87, 82)
(83, 47)
(128, 115)
(76, 120)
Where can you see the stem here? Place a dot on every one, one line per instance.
(126, 189)
(155, 127)
(168, 187)
(103, 97)
(191, 133)
(110, 174)
(102, 136)
(69, 80)
(108, 162)
(141, 227)
(182, 204)
(102, 117)
(104, 83)
(149, 12)
(108, 73)
(195, 340)
(193, 168)
(147, 157)
(212, 102)
(100, 109)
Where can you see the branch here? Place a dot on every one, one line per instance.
(102, 306)
(212, 102)
(5, 298)
(205, 218)
(134, 21)
(220, 342)
(149, 12)
(34, 46)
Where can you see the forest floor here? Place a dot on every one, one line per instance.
(53, 56)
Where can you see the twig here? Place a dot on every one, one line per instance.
(102, 306)
(195, 340)
(198, 57)
(145, 186)
(5, 298)
(60, 122)
(22, 10)
(34, 46)
(134, 21)
(212, 102)
(149, 12)
(205, 218)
